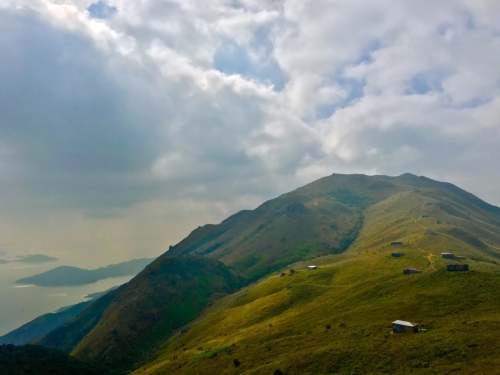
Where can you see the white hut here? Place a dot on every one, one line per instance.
(447, 255)
(400, 326)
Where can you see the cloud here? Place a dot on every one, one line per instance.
(105, 130)
(70, 125)
(109, 106)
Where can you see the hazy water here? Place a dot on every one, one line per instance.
(19, 303)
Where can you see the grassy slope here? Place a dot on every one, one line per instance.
(67, 336)
(337, 319)
(166, 295)
(321, 218)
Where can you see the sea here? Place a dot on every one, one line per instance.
(22, 303)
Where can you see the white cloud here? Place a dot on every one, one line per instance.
(211, 102)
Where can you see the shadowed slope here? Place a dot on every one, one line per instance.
(67, 336)
(166, 295)
(37, 360)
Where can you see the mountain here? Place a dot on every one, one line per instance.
(70, 276)
(321, 218)
(335, 319)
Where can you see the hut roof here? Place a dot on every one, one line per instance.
(404, 323)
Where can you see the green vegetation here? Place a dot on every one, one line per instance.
(37, 360)
(338, 320)
(318, 219)
(68, 335)
(168, 294)
(69, 276)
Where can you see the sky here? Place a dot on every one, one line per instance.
(127, 123)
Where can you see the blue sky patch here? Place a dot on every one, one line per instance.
(425, 82)
(101, 10)
(232, 58)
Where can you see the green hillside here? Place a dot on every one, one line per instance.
(68, 335)
(318, 219)
(321, 218)
(337, 319)
(166, 295)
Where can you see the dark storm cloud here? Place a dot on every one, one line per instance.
(83, 128)
(69, 124)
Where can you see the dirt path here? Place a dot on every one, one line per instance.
(491, 245)
(430, 258)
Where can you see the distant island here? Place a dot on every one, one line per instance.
(35, 259)
(29, 259)
(73, 276)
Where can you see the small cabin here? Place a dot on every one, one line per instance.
(397, 255)
(448, 255)
(410, 270)
(401, 326)
(396, 243)
(457, 267)
(312, 267)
